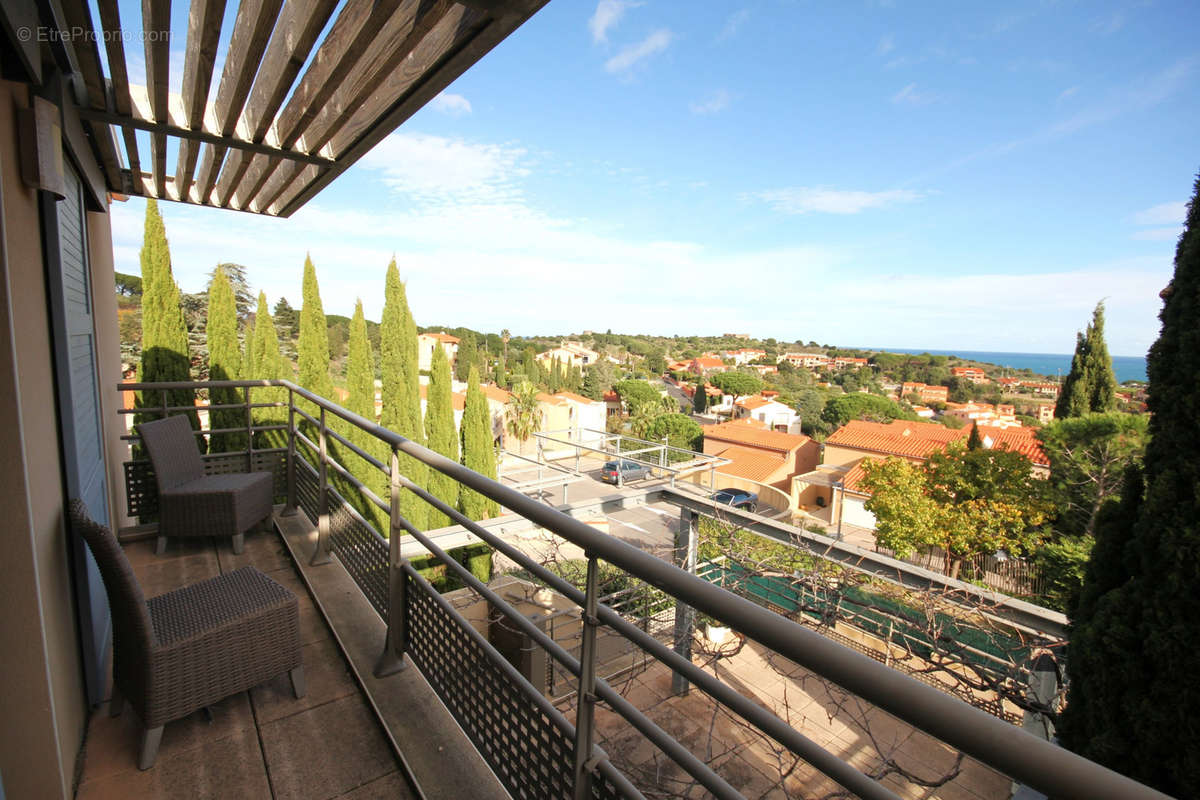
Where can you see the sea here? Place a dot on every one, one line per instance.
(1126, 368)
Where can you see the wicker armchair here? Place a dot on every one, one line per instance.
(191, 503)
(189, 648)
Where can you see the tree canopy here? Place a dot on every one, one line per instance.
(1090, 386)
(635, 392)
(1133, 699)
(843, 408)
(967, 502)
(680, 430)
(738, 384)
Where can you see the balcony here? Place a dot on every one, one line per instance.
(545, 681)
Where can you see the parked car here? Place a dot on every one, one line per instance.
(737, 498)
(618, 473)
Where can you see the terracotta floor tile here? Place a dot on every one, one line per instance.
(326, 677)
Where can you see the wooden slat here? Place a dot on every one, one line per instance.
(110, 21)
(405, 46)
(87, 55)
(348, 39)
(450, 50)
(251, 31)
(156, 23)
(204, 30)
(299, 25)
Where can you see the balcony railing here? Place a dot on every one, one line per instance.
(530, 743)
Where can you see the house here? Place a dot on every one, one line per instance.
(426, 342)
(806, 360)
(569, 355)
(497, 400)
(742, 336)
(1001, 416)
(973, 374)
(765, 369)
(844, 362)
(771, 413)
(927, 393)
(584, 414)
(706, 365)
(837, 485)
(744, 355)
(1045, 414)
(1046, 389)
(759, 454)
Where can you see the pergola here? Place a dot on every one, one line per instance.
(269, 137)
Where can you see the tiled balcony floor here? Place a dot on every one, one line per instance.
(260, 744)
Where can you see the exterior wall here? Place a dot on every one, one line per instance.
(841, 456)
(808, 455)
(425, 346)
(42, 697)
(853, 513)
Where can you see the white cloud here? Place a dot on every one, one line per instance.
(628, 57)
(733, 24)
(1157, 234)
(439, 171)
(453, 104)
(608, 13)
(1162, 214)
(1066, 93)
(805, 199)
(887, 43)
(717, 101)
(911, 97)
(1106, 26)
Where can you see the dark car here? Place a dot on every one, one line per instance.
(737, 498)
(626, 471)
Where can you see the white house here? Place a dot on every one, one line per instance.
(426, 342)
(772, 413)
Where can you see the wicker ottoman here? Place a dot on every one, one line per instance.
(215, 505)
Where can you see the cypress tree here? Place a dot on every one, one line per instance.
(974, 441)
(1133, 698)
(1090, 386)
(360, 382)
(478, 449)
(314, 338)
(164, 332)
(401, 390)
(265, 362)
(554, 381)
(224, 364)
(700, 398)
(499, 378)
(441, 433)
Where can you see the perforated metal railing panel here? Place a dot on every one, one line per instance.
(362, 553)
(533, 758)
(141, 491)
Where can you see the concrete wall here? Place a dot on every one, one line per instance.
(42, 697)
(841, 456)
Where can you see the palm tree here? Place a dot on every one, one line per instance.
(523, 415)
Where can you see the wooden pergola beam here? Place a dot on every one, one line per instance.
(156, 25)
(110, 21)
(295, 33)
(251, 31)
(204, 29)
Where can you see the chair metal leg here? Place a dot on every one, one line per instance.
(297, 676)
(151, 739)
(239, 542)
(117, 702)
(160, 545)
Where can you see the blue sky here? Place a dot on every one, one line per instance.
(942, 175)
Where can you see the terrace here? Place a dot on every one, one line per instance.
(411, 691)
(664, 710)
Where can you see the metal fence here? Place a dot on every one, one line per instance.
(531, 745)
(1008, 574)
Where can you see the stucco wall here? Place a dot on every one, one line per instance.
(41, 695)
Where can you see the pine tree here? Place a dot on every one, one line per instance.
(441, 433)
(401, 390)
(478, 449)
(224, 364)
(591, 385)
(164, 332)
(1133, 698)
(360, 382)
(1090, 386)
(265, 362)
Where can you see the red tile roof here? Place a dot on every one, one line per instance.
(495, 393)
(852, 480)
(443, 337)
(577, 398)
(753, 402)
(751, 464)
(1023, 440)
(707, 363)
(752, 433)
(896, 438)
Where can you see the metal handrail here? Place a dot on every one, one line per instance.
(1041, 765)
